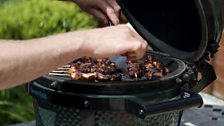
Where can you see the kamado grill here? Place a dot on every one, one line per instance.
(185, 34)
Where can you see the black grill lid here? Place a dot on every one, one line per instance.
(181, 28)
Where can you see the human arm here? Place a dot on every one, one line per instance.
(23, 61)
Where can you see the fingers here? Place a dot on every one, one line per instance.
(109, 8)
(139, 49)
(139, 46)
(137, 54)
(101, 17)
(135, 50)
(115, 6)
(109, 11)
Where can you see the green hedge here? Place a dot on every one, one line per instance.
(26, 19)
(36, 18)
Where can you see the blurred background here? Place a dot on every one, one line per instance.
(27, 19)
(217, 87)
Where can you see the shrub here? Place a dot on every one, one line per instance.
(37, 18)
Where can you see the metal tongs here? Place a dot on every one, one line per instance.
(120, 61)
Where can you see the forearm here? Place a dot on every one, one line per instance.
(26, 60)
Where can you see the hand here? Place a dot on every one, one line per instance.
(116, 40)
(103, 10)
